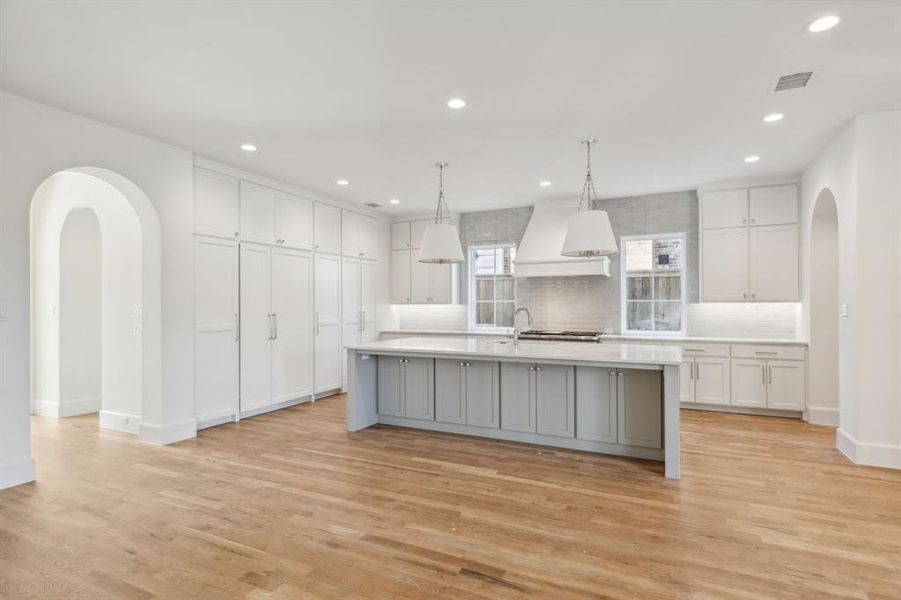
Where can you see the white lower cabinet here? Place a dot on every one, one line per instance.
(538, 398)
(467, 392)
(768, 383)
(216, 330)
(596, 390)
(406, 387)
(639, 408)
(711, 381)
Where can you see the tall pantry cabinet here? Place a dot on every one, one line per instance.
(268, 296)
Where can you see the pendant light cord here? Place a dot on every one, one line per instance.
(588, 187)
(442, 209)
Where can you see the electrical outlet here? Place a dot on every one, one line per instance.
(137, 329)
(138, 310)
(845, 309)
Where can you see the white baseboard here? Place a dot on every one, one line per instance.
(16, 472)
(119, 421)
(874, 455)
(46, 408)
(821, 415)
(168, 434)
(67, 408)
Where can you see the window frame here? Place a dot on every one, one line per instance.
(471, 276)
(624, 288)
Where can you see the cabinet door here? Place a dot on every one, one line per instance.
(639, 408)
(400, 236)
(420, 281)
(712, 380)
(327, 323)
(367, 294)
(258, 213)
(400, 277)
(350, 233)
(351, 293)
(724, 265)
(326, 228)
(390, 386)
(216, 328)
(748, 382)
(292, 315)
(482, 393)
(417, 230)
(368, 237)
(450, 390)
(295, 222)
(774, 205)
(687, 380)
(517, 397)
(785, 384)
(441, 283)
(774, 263)
(419, 388)
(596, 404)
(724, 208)
(555, 400)
(216, 204)
(256, 328)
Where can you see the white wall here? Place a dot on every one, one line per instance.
(822, 396)
(862, 169)
(79, 314)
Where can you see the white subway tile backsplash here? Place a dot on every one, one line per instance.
(432, 316)
(744, 320)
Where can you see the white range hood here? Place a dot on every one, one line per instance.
(538, 254)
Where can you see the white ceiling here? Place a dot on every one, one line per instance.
(674, 91)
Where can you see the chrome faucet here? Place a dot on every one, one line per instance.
(515, 326)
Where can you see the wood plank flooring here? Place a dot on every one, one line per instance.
(289, 505)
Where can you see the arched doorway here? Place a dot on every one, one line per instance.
(823, 379)
(129, 275)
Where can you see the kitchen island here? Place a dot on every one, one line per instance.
(611, 398)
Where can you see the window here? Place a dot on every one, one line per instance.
(491, 288)
(653, 283)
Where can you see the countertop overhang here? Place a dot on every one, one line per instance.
(571, 352)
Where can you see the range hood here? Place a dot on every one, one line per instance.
(538, 254)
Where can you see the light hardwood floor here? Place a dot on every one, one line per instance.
(289, 505)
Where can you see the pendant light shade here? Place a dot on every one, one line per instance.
(441, 240)
(589, 233)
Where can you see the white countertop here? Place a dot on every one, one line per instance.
(611, 336)
(606, 352)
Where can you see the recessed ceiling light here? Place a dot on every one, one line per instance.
(750, 159)
(394, 201)
(544, 183)
(456, 103)
(823, 24)
(343, 182)
(248, 148)
(773, 117)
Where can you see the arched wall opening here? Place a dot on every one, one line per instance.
(129, 386)
(823, 377)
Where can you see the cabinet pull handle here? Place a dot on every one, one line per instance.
(469, 364)
(771, 373)
(694, 350)
(763, 374)
(316, 321)
(697, 372)
(237, 329)
(462, 364)
(269, 318)
(537, 368)
(761, 353)
(274, 326)
(532, 368)
(620, 373)
(612, 373)
(753, 296)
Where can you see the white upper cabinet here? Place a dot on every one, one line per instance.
(359, 235)
(259, 206)
(749, 244)
(417, 231)
(295, 222)
(774, 205)
(400, 236)
(327, 228)
(216, 204)
(724, 208)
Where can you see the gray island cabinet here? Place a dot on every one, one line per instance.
(609, 398)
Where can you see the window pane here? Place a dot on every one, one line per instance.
(639, 255)
(668, 316)
(504, 314)
(504, 289)
(505, 261)
(484, 288)
(668, 254)
(484, 313)
(668, 287)
(638, 316)
(639, 288)
(483, 261)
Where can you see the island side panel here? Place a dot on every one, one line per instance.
(671, 421)
(362, 390)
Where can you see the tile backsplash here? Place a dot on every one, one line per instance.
(744, 320)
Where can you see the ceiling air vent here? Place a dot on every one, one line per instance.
(373, 205)
(790, 82)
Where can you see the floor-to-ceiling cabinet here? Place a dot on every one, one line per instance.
(327, 322)
(358, 301)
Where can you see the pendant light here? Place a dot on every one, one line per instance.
(589, 233)
(441, 241)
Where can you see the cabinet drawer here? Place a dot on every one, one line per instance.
(764, 351)
(693, 349)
